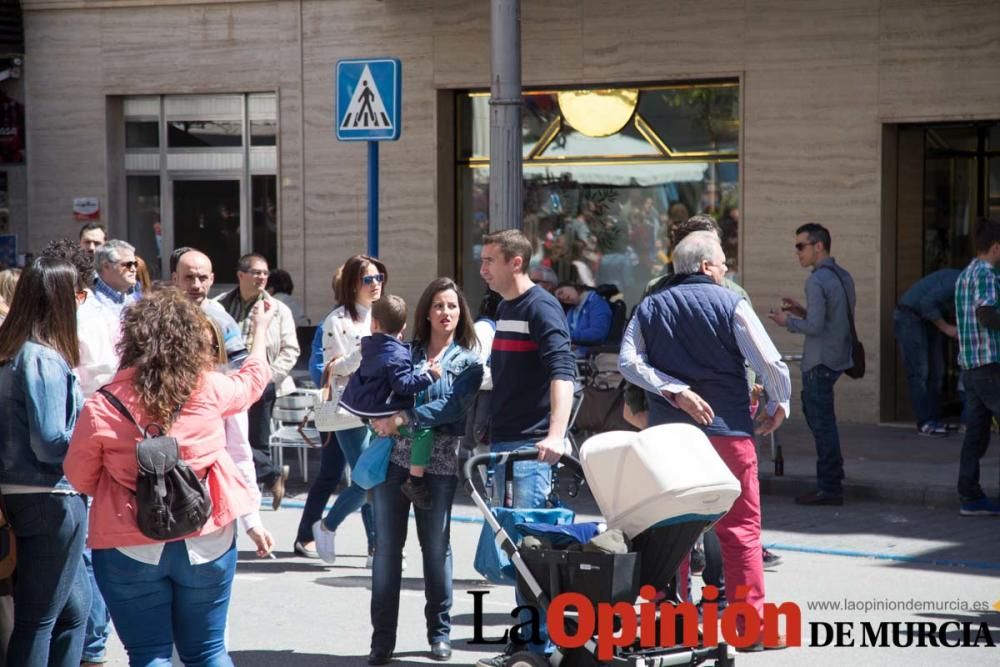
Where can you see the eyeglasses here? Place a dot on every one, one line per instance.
(802, 246)
(258, 273)
(128, 265)
(371, 280)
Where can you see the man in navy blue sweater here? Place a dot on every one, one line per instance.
(533, 372)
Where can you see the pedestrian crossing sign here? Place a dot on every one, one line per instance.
(368, 99)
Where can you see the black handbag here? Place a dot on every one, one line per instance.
(857, 371)
(171, 501)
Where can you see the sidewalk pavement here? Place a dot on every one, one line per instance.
(881, 463)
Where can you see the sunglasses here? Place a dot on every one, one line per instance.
(371, 280)
(802, 246)
(128, 265)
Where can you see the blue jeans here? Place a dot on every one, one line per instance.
(392, 512)
(331, 470)
(817, 405)
(173, 602)
(532, 485)
(922, 346)
(982, 402)
(95, 638)
(352, 442)
(52, 596)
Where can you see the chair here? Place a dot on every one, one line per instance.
(291, 426)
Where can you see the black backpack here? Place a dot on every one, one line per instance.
(170, 500)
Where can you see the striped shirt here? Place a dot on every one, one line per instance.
(753, 341)
(530, 350)
(976, 287)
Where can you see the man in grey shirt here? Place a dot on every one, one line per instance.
(825, 321)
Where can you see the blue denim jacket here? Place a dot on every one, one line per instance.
(444, 404)
(39, 402)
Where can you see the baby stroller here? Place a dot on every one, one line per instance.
(662, 488)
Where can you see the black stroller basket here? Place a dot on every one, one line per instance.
(600, 577)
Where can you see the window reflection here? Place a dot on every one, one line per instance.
(144, 229)
(204, 133)
(600, 209)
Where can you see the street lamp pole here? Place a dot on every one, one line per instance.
(506, 182)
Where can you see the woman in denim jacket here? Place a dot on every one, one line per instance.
(39, 402)
(443, 333)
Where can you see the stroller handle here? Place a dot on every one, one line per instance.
(526, 454)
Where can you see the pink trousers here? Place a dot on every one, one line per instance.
(739, 529)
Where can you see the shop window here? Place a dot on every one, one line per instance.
(607, 174)
(219, 177)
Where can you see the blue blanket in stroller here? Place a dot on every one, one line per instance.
(491, 561)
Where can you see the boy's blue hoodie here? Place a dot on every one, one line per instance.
(386, 381)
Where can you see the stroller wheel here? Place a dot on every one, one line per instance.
(527, 659)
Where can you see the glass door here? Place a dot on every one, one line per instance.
(207, 213)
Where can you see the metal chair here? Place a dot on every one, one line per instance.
(291, 426)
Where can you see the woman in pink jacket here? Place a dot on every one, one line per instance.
(162, 594)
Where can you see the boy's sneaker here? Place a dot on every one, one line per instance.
(770, 558)
(932, 430)
(980, 507)
(417, 492)
(324, 542)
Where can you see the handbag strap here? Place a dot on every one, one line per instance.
(847, 299)
(120, 407)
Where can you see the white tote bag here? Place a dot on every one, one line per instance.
(327, 413)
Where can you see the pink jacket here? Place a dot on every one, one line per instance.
(101, 460)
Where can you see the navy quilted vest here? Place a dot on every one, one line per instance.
(688, 330)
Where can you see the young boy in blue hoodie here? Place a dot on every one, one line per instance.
(386, 383)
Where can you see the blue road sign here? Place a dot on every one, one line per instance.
(368, 99)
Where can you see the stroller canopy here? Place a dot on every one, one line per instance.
(665, 474)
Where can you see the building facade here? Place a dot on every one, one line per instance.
(211, 123)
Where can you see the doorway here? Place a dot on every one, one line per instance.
(937, 180)
(206, 213)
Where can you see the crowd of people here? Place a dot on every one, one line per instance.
(94, 360)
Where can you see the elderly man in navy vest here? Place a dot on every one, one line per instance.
(686, 347)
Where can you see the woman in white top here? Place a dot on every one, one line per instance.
(362, 281)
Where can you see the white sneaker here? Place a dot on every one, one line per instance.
(324, 543)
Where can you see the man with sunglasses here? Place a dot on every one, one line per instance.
(282, 353)
(115, 286)
(825, 321)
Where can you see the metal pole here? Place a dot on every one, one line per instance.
(373, 199)
(506, 184)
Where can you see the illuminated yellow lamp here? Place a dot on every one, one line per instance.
(598, 113)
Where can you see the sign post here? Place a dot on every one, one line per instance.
(368, 100)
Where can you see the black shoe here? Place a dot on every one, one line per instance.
(697, 561)
(771, 559)
(819, 498)
(417, 493)
(379, 657)
(441, 650)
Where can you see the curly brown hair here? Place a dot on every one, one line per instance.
(164, 337)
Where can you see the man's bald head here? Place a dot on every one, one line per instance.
(193, 275)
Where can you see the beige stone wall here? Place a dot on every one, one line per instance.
(819, 78)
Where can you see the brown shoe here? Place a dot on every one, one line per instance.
(278, 488)
(782, 643)
(819, 498)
